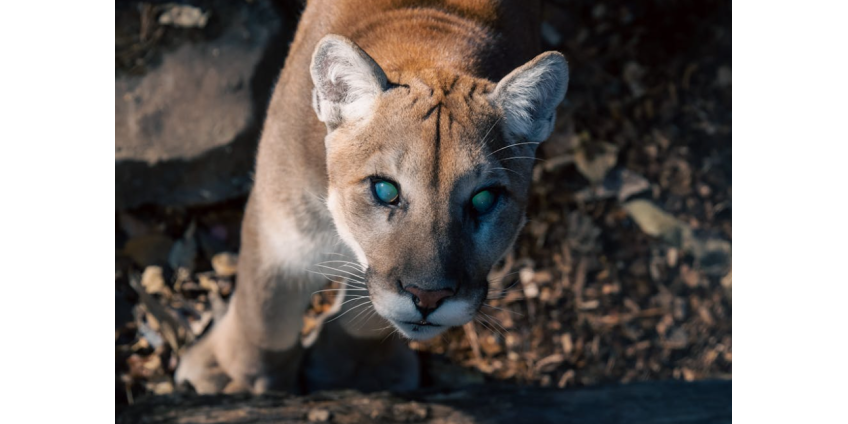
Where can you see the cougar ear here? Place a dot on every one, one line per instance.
(529, 95)
(347, 81)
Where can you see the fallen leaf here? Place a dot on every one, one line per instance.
(225, 264)
(153, 281)
(621, 184)
(184, 251)
(595, 159)
(149, 249)
(184, 16)
(658, 223)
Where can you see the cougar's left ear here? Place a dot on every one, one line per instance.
(347, 81)
(529, 95)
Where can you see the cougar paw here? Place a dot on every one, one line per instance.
(199, 369)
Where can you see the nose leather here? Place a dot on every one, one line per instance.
(428, 299)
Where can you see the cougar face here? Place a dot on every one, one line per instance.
(428, 176)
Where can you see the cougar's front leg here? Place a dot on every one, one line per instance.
(358, 349)
(256, 345)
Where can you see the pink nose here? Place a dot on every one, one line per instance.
(428, 299)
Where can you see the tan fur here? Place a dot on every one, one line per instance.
(436, 124)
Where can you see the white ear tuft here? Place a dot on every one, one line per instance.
(347, 81)
(530, 94)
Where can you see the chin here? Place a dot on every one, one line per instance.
(415, 331)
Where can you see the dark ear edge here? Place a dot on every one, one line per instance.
(347, 80)
(529, 95)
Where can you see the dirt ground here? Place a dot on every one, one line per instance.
(623, 272)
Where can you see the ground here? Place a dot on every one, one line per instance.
(623, 272)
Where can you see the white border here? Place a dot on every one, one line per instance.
(790, 158)
(57, 180)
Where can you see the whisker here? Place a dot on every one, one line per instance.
(384, 328)
(334, 275)
(339, 270)
(360, 267)
(364, 319)
(496, 296)
(338, 290)
(351, 266)
(369, 315)
(355, 298)
(337, 254)
(355, 260)
(502, 309)
(490, 129)
(503, 291)
(524, 157)
(488, 327)
(494, 320)
(349, 310)
(493, 325)
(390, 335)
(322, 199)
(514, 145)
(501, 279)
(510, 170)
(349, 285)
(511, 298)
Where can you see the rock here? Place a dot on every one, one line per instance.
(643, 402)
(186, 131)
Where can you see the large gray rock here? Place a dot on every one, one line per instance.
(186, 130)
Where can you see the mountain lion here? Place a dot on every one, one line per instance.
(396, 157)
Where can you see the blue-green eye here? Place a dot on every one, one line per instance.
(386, 192)
(483, 201)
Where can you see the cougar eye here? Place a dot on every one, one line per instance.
(483, 201)
(385, 191)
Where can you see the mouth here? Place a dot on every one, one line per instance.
(419, 330)
(421, 324)
(402, 313)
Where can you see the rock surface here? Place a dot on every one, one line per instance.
(186, 130)
(653, 402)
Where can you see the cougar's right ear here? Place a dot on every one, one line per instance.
(530, 94)
(347, 81)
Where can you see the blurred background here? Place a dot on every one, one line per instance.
(623, 272)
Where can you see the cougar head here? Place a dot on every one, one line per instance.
(429, 175)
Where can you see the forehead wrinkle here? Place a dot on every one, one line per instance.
(437, 148)
(455, 113)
